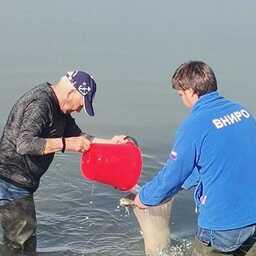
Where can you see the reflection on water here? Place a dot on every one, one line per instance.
(74, 221)
(130, 47)
(181, 247)
(177, 248)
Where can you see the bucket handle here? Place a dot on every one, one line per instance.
(131, 139)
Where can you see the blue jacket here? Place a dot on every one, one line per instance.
(215, 147)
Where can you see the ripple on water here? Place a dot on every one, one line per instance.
(182, 247)
(79, 218)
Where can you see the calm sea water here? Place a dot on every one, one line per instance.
(131, 47)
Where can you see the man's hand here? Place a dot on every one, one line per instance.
(77, 144)
(138, 203)
(119, 139)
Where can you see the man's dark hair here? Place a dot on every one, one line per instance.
(195, 75)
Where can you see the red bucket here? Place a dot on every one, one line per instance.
(117, 165)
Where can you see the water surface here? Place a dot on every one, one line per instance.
(130, 47)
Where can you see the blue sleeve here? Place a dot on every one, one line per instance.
(179, 166)
(192, 180)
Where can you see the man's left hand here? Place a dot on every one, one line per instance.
(119, 139)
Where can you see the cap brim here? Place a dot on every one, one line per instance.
(88, 107)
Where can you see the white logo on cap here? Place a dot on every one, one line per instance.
(70, 75)
(83, 89)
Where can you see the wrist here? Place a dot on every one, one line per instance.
(63, 144)
(89, 137)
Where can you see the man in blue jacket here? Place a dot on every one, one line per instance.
(216, 144)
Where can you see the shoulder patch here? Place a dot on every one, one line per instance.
(173, 155)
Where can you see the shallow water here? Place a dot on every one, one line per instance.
(130, 47)
(81, 218)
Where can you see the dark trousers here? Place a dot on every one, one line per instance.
(18, 220)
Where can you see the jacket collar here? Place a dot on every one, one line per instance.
(206, 100)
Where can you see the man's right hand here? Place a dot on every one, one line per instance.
(77, 144)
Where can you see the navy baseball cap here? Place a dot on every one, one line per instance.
(86, 85)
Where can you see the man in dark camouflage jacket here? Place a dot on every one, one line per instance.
(39, 125)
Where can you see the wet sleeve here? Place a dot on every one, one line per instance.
(71, 128)
(169, 180)
(33, 123)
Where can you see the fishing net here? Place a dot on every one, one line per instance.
(154, 223)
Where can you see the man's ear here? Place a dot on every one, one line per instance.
(193, 94)
(191, 91)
